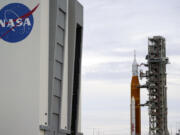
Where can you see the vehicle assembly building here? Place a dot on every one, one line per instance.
(40, 75)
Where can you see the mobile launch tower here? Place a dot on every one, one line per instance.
(156, 85)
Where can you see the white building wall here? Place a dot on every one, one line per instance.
(24, 75)
(44, 62)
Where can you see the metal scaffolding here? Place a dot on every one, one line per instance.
(156, 85)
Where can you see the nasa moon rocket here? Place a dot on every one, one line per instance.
(135, 100)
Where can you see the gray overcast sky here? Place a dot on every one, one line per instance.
(112, 30)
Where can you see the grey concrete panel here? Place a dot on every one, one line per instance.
(57, 87)
(71, 39)
(58, 70)
(62, 131)
(56, 107)
(57, 35)
(79, 13)
(56, 60)
(61, 19)
(62, 5)
(55, 123)
(60, 34)
(59, 53)
(52, 34)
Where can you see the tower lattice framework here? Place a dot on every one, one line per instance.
(156, 85)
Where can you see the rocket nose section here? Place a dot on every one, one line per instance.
(135, 66)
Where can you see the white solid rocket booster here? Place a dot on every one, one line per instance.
(133, 117)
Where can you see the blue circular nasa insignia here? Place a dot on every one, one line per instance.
(16, 22)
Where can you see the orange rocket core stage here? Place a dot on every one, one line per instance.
(135, 92)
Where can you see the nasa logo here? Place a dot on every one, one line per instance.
(16, 22)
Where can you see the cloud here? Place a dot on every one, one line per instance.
(112, 30)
